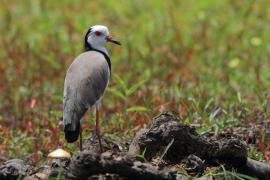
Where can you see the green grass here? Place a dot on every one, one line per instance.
(191, 57)
(231, 175)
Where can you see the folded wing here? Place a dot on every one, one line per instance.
(85, 83)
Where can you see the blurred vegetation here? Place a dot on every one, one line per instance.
(207, 61)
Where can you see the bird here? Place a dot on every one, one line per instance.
(86, 80)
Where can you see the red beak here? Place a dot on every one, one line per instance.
(110, 39)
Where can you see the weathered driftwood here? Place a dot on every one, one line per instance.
(89, 163)
(166, 139)
(256, 169)
(15, 169)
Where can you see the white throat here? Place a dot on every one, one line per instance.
(101, 48)
(97, 45)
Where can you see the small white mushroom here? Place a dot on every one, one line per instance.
(59, 153)
(41, 175)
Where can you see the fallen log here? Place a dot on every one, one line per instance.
(89, 163)
(15, 169)
(256, 169)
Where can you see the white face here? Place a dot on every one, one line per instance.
(97, 36)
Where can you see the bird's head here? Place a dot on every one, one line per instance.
(97, 36)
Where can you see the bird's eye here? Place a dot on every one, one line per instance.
(98, 33)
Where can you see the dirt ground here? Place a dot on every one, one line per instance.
(167, 150)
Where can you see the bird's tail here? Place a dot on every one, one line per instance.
(72, 136)
(71, 118)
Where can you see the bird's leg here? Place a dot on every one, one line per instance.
(98, 130)
(80, 137)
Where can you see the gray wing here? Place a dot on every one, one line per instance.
(85, 82)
